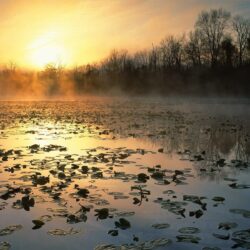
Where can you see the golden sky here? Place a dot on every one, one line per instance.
(73, 32)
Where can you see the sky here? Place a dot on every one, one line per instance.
(75, 32)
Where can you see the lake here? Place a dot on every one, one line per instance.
(125, 173)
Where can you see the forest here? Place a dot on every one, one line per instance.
(211, 60)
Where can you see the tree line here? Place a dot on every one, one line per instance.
(213, 58)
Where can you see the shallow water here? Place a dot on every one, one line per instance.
(183, 147)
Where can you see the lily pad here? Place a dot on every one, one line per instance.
(161, 226)
(142, 177)
(193, 198)
(38, 224)
(10, 229)
(83, 192)
(4, 245)
(242, 235)
(221, 236)
(189, 230)
(124, 214)
(46, 218)
(122, 224)
(211, 248)
(239, 186)
(61, 232)
(102, 214)
(113, 232)
(188, 238)
(218, 199)
(227, 225)
(245, 213)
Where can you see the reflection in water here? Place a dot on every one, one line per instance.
(142, 173)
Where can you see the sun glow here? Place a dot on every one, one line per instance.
(47, 54)
(45, 50)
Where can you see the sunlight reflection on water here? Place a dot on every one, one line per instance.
(118, 141)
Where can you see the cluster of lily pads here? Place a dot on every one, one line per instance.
(72, 185)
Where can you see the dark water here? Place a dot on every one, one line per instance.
(125, 174)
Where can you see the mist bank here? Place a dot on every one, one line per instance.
(61, 83)
(211, 60)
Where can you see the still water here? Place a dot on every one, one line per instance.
(139, 173)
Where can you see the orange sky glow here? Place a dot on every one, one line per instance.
(74, 32)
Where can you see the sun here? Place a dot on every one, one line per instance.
(46, 55)
(45, 50)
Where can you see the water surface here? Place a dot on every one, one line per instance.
(139, 173)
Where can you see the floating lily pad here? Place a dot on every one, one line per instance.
(221, 236)
(242, 235)
(121, 197)
(198, 213)
(158, 175)
(61, 232)
(211, 248)
(10, 229)
(169, 192)
(218, 199)
(3, 205)
(155, 243)
(241, 243)
(152, 244)
(46, 218)
(193, 198)
(239, 186)
(106, 247)
(37, 224)
(61, 212)
(124, 214)
(72, 218)
(175, 207)
(122, 224)
(102, 214)
(142, 177)
(227, 225)
(230, 179)
(245, 213)
(4, 245)
(188, 238)
(161, 226)
(189, 230)
(83, 192)
(113, 232)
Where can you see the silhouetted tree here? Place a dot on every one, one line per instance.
(228, 51)
(153, 58)
(193, 48)
(171, 52)
(178, 64)
(51, 75)
(212, 25)
(241, 27)
(141, 59)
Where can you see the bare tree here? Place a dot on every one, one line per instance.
(52, 76)
(212, 26)
(116, 61)
(241, 27)
(154, 58)
(141, 59)
(228, 52)
(10, 68)
(172, 52)
(193, 48)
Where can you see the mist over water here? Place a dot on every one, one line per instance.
(199, 63)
